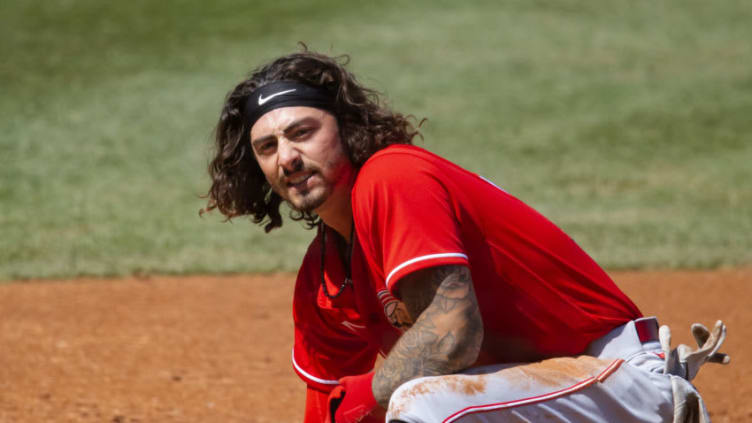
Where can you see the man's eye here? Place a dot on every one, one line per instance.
(301, 132)
(266, 147)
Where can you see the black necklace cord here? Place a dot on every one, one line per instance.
(347, 264)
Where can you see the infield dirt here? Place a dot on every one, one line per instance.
(217, 349)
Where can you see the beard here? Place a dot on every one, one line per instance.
(313, 194)
(306, 203)
(304, 200)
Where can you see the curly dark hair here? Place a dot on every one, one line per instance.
(366, 126)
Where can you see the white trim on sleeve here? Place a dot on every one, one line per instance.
(422, 258)
(310, 376)
(491, 182)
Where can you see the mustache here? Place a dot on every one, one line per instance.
(295, 170)
(297, 167)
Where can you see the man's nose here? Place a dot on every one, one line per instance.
(289, 156)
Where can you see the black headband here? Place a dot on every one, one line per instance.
(285, 94)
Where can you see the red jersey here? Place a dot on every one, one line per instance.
(540, 295)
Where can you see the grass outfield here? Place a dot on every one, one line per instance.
(628, 124)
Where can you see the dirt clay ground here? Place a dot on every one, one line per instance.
(217, 349)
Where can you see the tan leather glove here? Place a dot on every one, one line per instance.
(686, 362)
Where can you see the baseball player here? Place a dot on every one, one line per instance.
(481, 309)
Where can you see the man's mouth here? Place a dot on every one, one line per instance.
(298, 181)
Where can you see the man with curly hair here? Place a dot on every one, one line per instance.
(482, 308)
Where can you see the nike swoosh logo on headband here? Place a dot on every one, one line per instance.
(263, 100)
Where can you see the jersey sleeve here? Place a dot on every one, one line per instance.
(404, 217)
(324, 350)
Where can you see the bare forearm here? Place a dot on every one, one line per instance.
(445, 338)
(423, 351)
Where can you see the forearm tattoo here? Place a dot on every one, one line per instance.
(447, 332)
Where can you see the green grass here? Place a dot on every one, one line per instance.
(629, 124)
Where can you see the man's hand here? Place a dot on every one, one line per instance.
(352, 401)
(446, 336)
